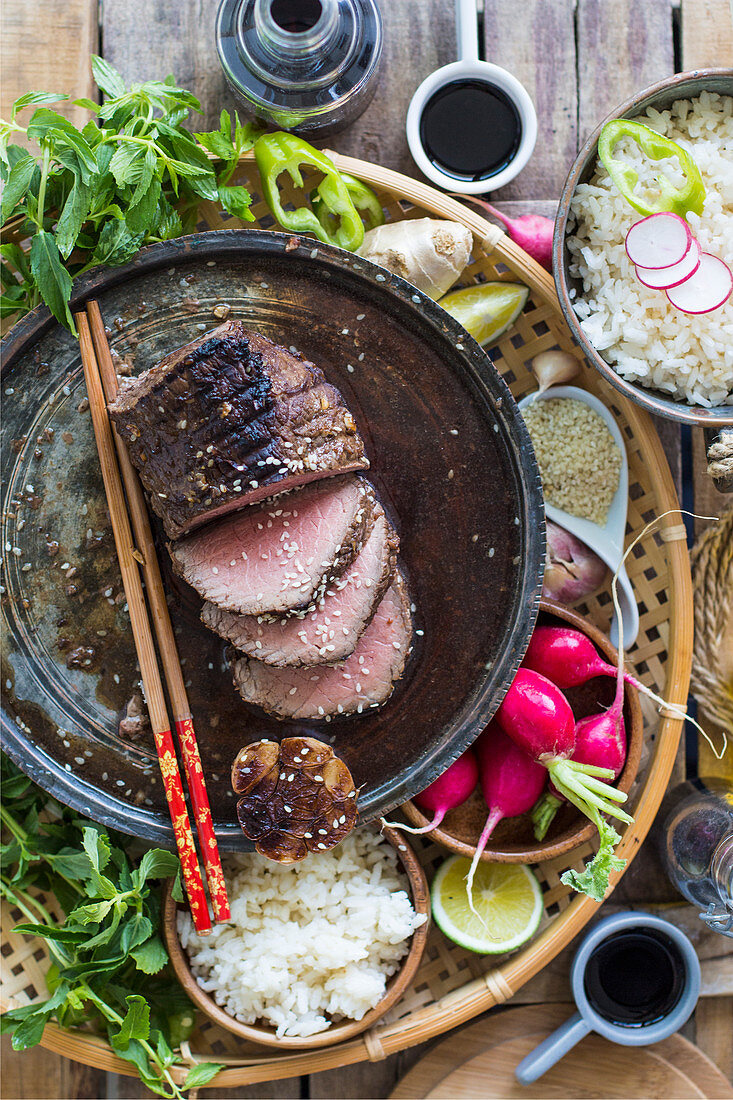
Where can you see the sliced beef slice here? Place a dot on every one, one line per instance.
(230, 419)
(277, 556)
(364, 679)
(329, 631)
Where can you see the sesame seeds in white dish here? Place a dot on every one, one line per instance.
(310, 943)
(636, 329)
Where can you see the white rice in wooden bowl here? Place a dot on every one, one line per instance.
(310, 943)
(637, 330)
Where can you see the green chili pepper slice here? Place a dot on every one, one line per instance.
(677, 200)
(282, 152)
(363, 198)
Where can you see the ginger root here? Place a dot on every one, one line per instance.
(427, 252)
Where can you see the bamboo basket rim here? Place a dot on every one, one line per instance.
(498, 985)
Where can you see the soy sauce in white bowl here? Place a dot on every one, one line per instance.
(470, 129)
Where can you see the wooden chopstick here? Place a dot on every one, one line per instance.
(164, 632)
(142, 633)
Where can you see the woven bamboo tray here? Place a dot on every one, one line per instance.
(452, 985)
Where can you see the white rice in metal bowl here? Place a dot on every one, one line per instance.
(309, 943)
(638, 332)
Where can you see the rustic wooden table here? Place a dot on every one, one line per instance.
(578, 58)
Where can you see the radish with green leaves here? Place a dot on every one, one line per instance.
(511, 782)
(538, 718)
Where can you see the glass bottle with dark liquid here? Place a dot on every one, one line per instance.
(302, 65)
(470, 129)
(697, 848)
(635, 978)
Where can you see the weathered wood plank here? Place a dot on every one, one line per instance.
(369, 1079)
(713, 1032)
(418, 38)
(707, 34)
(119, 1087)
(48, 49)
(148, 41)
(535, 40)
(622, 47)
(39, 1074)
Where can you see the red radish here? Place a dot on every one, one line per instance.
(449, 790)
(537, 717)
(658, 241)
(663, 278)
(511, 782)
(708, 289)
(568, 657)
(532, 232)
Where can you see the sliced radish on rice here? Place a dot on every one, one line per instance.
(708, 289)
(658, 241)
(664, 278)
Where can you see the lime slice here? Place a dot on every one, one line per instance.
(507, 897)
(487, 309)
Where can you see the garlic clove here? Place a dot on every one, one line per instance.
(553, 367)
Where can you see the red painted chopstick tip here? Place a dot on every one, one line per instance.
(202, 815)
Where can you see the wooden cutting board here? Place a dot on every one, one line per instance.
(479, 1062)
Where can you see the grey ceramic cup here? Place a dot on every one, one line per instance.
(587, 1019)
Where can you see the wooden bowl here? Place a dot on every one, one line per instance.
(336, 1033)
(513, 840)
(661, 95)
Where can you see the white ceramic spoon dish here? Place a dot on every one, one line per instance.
(607, 541)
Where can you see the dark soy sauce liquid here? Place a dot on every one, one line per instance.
(635, 978)
(296, 16)
(470, 129)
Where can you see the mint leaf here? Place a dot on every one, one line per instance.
(177, 888)
(136, 930)
(116, 244)
(151, 956)
(35, 97)
(74, 214)
(97, 847)
(201, 1074)
(216, 143)
(156, 863)
(237, 201)
(51, 277)
(93, 913)
(51, 127)
(107, 79)
(16, 184)
(30, 1032)
(142, 216)
(14, 255)
(127, 164)
(135, 1024)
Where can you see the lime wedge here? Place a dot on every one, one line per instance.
(487, 309)
(507, 897)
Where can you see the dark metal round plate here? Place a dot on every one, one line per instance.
(451, 459)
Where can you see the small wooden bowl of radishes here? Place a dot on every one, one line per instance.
(569, 654)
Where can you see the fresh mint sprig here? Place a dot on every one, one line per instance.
(109, 966)
(95, 195)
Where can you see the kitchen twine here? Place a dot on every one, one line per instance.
(671, 534)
